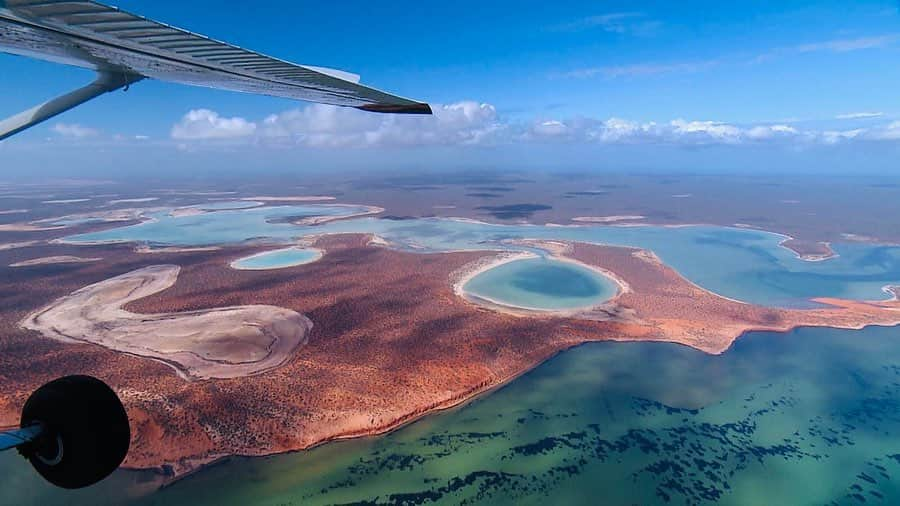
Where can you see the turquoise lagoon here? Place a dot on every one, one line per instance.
(277, 259)
(542, 284)
(747, 265)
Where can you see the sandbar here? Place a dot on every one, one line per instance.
(130, 201)
(28, 227)
(296, 198)
(19, 244)
(62, 259)
(226, 342)
(319, 220)
(65, 201)
(608, 219)
(143, 248)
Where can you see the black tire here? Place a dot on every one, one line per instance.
(88, 419)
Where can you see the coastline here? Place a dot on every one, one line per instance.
(320, 220)
(576, 331)
(461, 399)
(457, 401)
(618, 218)
(273, 198)
(465, 274)
(622, 221)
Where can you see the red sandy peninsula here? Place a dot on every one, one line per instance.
(390, 341)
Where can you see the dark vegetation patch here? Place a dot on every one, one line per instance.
(438, 181)
(417, 188)
(588, 193)
(290, 219)
(493, 188)
(393, 217)
(513, 211)
(754, 219)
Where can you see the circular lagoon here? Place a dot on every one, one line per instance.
(542, 284)
(277, 259)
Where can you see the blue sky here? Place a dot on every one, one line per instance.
(695, 86)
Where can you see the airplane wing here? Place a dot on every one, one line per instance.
(113, 42)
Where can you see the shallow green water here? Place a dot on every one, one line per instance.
(277, 259)
(541, 283)
(747, 265)
(808, 417)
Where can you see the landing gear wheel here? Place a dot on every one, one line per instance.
(85, 431)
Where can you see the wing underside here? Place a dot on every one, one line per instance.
(93, 35)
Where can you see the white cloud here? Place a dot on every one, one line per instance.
(461, 123)
(847, 45)
(74, 131)
(860, 115)
(551, 128)
(676, 132)
(324, 126)
(614, 22)
(836, 136)
(635, 23)
(833, 46)
(882, 133)
(889, 132)
(641, 69)
(615, 130)
(200, 124)
(470, 123)
(706, 131)
(770, 132)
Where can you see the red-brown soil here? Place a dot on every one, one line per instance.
(391, 341)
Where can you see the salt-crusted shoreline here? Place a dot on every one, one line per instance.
(318, 255)
(62, 259)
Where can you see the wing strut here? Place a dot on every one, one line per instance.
(106, 81)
